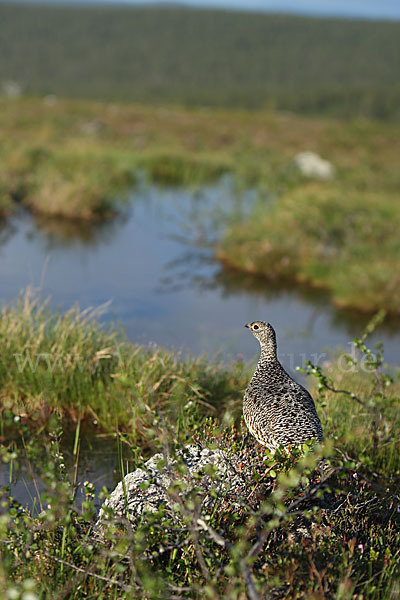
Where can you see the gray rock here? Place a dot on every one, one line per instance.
(149, 488)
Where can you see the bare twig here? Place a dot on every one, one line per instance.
(351, 395)
(123, 586)
(214, 535)
(191, 517)
(221, 541)
(263, 477)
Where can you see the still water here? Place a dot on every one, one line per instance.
(154, 267)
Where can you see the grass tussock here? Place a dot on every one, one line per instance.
(308, 536)
(339, 234)
(68, 365)
(180, 169)
(327, 236)
(84, 185)
(71, 183)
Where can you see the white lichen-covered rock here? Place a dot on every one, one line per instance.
(311, 164)
(215, 473)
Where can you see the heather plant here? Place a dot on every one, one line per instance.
(301, 529)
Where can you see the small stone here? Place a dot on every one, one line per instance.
(311, 164)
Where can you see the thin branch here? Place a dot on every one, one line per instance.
(351, 395)
(221, 541)
(123, 586)
(214, 535)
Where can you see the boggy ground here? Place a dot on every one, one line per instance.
(343, 542)
(77, 160)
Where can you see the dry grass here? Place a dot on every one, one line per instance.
(76, 160)
(70, 142)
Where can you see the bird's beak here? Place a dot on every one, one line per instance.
(247, 325)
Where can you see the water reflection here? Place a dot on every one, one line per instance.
(156, 264)
(61, 233)
(192, 269)
(98, 461)
(7, 230)
(232, 282)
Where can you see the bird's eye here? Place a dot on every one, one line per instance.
(256, 327)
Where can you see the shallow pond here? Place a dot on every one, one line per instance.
(98, 461)
(155, 268)
(155, 265)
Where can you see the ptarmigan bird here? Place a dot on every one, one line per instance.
(277, 410)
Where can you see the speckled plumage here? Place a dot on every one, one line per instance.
(277, 410)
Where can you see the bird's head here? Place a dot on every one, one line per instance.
(264, 332)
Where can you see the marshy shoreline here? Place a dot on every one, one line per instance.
(62, 371)
(183, 201)
(327, 234)
(70, 383)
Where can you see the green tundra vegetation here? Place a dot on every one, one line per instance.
(203, 58)
(326, 236)
(148, 399)
(77, 160)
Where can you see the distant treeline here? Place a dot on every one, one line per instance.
(203, 57)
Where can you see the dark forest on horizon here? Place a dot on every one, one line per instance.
(198, 57)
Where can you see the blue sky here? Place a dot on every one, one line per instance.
(367, 8)
(383, 9)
